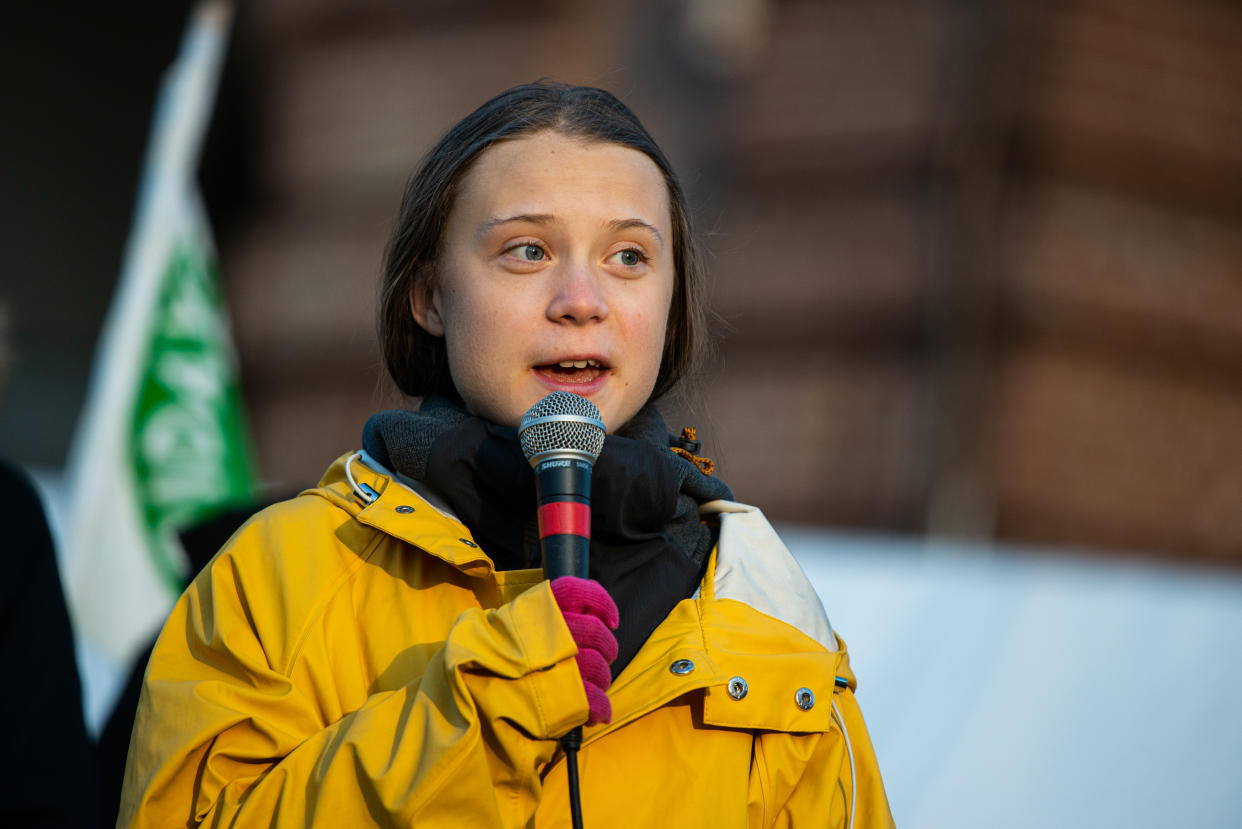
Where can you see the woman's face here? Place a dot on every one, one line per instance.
(556, 273)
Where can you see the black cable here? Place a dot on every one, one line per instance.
(571, 742)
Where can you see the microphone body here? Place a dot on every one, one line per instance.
(563, 485)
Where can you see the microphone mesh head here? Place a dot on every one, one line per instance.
(562, 422)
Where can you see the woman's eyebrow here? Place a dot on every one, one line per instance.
(625, 224)
(531, 218)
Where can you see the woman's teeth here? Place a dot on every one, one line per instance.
(578, 363)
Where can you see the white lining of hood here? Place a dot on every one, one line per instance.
(755, 567)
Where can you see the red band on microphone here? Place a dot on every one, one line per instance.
(565, 518)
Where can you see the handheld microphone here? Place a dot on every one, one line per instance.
(562, 435)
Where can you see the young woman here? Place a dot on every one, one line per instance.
(384, 650)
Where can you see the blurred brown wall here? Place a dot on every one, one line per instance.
(980, 263)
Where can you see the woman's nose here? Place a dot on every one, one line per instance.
(578, 297)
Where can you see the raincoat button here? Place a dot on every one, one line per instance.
(681, 667)
(737, 687)
(467, 542)
(805, 699)
(405, 509)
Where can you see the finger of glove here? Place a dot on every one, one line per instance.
(599, 707)
(594, 670)
(589, 633)
(577, 595)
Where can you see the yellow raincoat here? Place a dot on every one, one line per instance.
(344, 663)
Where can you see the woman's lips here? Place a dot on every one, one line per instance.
(579, 376)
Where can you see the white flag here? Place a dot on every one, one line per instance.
(160, 441)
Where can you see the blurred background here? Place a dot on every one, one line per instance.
(979, 274)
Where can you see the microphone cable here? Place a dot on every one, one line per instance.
(571, 742)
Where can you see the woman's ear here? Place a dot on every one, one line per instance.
(425, 306)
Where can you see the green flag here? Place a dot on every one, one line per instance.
(187, 442)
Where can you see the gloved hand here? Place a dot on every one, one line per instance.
(591, 615)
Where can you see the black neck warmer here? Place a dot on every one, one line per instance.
(648, 547)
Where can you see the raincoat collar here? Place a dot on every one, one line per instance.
(378, 498)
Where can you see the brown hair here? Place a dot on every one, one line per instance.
(418, 361)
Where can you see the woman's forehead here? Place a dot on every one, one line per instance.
(561, 177)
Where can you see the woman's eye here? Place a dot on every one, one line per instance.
(630, 257)
(531, 253)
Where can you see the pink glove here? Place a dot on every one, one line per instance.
(591, 615)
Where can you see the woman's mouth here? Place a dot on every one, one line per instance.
(582, 371)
